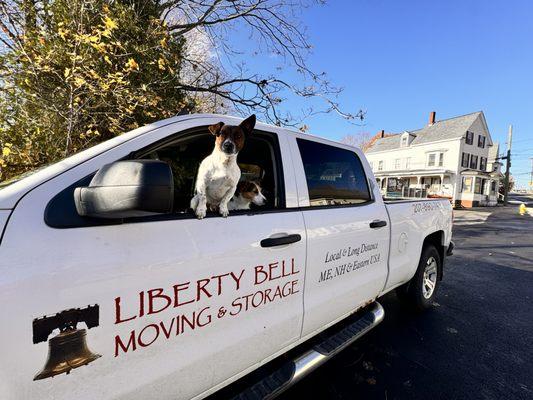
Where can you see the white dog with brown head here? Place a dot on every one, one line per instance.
(219, 173)
(247, 193)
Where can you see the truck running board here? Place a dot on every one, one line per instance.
(328, 344)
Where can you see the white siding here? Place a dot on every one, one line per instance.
(418, 155)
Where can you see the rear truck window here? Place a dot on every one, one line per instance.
(334, 176)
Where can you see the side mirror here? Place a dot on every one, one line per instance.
(125, 189)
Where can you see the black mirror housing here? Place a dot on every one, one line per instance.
(125, 189)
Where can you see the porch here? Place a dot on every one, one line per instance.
(478, 189)
(417, 185)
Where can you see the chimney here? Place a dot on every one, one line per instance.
(382, 133)
(432, 118)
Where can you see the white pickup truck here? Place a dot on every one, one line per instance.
(152, 303)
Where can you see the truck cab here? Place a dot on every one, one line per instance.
(176, 307)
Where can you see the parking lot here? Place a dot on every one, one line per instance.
(477, 342)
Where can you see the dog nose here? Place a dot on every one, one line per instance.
(227, 146)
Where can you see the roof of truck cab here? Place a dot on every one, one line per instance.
(10, 195)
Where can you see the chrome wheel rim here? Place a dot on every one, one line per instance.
(430, 278)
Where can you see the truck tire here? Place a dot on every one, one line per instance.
(420, 291)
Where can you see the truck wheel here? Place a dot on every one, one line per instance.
(420, 291)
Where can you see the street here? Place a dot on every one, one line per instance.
(477, 341)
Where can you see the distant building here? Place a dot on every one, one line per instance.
(453, 158)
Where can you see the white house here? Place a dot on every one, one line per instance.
(453, 158)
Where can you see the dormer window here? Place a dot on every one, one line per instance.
(405, 139)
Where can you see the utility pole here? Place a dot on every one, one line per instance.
(508, 169)
(531, 177)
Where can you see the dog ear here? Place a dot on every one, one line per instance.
(215, 129)
(248, 124)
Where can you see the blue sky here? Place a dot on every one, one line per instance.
(399, 60)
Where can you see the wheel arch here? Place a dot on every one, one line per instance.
(437, 239)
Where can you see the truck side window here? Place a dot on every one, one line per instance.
(259, 161)
(334, 176)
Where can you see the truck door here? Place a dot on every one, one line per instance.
(184, 304)
(347, 232)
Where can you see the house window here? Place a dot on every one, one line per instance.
(431, 159)
(397, 163)
(380, 166)
(435, 159)
(407, 162)
(482, 163)
(465, 160)
(485, 186)
(481, 141)
(473, 162)
(477, 186)
(469, 137)
(467, 185)
(493, 187)
(404, 141)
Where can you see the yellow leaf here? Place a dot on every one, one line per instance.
(62, 32)
(161, 64)
(67, 72)
(163, 42)
(6, 151)
(107, 60)
(106, 33)
(94, 74)
(109, 23)
(94, 39)
(132, 65)
(41, 40)
(99, 46)
(79, 81)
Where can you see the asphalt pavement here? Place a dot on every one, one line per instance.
(475, 343)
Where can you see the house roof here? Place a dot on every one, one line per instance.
(450, 128)
(373, 139)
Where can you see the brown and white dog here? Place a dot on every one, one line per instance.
(247, 192)
(219, 173)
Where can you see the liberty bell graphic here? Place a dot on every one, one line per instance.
(68, 349)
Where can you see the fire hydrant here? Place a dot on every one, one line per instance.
(522, 209)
